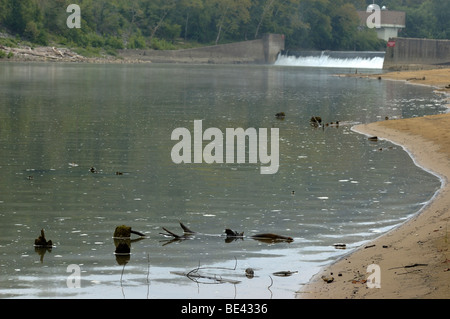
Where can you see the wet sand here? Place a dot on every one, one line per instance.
(414, 258)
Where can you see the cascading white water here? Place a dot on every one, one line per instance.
(326, 61)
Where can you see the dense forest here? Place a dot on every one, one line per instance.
(170, 24)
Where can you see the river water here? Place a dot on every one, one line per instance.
(332, 186)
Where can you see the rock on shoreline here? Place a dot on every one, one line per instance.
(54, 54)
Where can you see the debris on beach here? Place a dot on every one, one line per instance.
(42, 242)
(328, 279)
(249, 273)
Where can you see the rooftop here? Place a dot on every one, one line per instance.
(387, 18)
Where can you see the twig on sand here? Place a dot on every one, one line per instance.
(409, 266)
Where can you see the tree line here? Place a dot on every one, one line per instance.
(167, 24)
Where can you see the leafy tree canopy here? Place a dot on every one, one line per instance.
(164, 24)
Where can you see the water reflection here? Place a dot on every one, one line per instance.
(333, 185)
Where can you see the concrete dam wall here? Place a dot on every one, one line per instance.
(260, 51)
(410, 53)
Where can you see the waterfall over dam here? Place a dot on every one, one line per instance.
(332, 59)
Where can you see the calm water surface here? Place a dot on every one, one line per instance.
(58, 120)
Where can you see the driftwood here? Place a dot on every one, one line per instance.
(409, 266)
(186, 232)
(284, 273)
(269, 237)
(194, 275)
(125, 232)
(44, 53)
(230, 235)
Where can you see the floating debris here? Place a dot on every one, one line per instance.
(269, 237)
(125, 232)
(285, 273)
(249, 273)
(373, 138)
(280, 115)
(232, 233)
(315, 121)
(42, 242)
(340, 246)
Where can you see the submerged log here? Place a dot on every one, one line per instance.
(269, 237)
(125, 232)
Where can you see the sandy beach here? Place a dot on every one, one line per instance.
(414, 258)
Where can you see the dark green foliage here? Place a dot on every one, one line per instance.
(172, 24)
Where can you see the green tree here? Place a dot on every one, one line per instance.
(344, 24)
(441, 11)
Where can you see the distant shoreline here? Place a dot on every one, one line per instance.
(414, 258)
(57, 54)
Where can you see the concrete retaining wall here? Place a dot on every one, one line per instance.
(260, 51)
(410, 53)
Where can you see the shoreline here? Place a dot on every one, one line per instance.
(414, 257)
